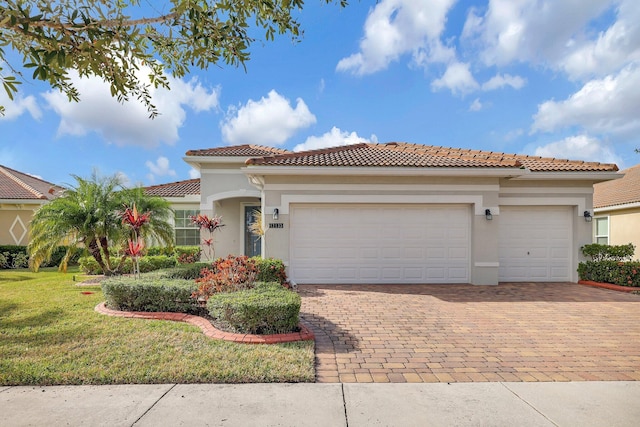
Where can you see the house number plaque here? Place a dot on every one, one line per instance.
(276, 225)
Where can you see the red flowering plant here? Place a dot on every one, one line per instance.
(229, 274)
(135, 220)
(210, 225)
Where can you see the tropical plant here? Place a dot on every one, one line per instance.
(210, 225)
(129, 45)
(135, 221)
(87, 215)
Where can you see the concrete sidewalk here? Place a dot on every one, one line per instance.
(354, 405)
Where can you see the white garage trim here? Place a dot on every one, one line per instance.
(287, 199)
(380, 243)
(580, 202)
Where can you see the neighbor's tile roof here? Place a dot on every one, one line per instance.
(175, 189)
(246, 150)
(20, 186)
(400, 154)
(619, 191)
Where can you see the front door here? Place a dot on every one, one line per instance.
(251, 240)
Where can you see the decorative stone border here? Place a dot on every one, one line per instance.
(208, 329)
(609, 286)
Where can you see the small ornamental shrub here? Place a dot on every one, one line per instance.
(616, 272)
(599, 252)
(268, 308)
(271, 270)
(187, 271)
(89, 265)
(150, 294)
(229, 274)
(13, 256)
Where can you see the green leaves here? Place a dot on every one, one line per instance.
(100, 38)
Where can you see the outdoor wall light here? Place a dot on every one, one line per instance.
(276, 213)
(487, 214)
(587, 216)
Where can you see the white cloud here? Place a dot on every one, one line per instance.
(613, 48)
(159, 168)
(269, 121)
(18, 106)
(531, 30)
(129, 123)
(333, 138)
(476, 105)
(456, 78)
(501, 80)
(397, 27)
(194, 173)
(557, 34)
(608, 105)
(580, 147)
(514, 134)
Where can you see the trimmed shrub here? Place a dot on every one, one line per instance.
(616, 272)
(184, 254)
(186, 271)
(89, 265)
(599, 252)
(268, 308)
(229, 274)
(150, 294)
(13, 256)
(271, 270)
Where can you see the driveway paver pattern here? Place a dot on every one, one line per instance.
(466, 333)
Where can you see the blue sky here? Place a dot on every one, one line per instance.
(557, 78)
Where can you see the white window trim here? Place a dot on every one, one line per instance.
(595, 228)
(176, 228)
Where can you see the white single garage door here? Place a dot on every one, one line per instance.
(535, 243)
(361, 243)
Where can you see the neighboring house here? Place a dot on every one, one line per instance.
(617, 210)
(402, 213)
(184, 197)
(20, 195)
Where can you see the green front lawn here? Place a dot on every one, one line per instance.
(50, 334)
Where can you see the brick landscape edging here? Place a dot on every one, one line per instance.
(208, 329)
(609, 286)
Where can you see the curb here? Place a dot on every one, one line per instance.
(610, 286)
(208, 329)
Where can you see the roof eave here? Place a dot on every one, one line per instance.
(594, 176)
(619, 207)
(383, 171)
(196, 161)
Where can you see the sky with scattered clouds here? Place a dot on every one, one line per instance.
(558, 78)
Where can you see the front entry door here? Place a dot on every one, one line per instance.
(251, 240)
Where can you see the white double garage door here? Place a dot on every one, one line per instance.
(362, 243)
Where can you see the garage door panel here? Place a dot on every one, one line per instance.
(535, 243)
(394, 244)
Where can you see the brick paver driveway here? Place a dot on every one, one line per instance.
(447, 333)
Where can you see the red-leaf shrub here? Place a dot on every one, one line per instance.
(229, 274)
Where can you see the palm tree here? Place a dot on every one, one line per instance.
(88, 214)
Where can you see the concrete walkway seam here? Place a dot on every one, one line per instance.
(153, 405)
(526, 402)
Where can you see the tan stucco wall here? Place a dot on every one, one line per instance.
(624, 227)
(8, 217)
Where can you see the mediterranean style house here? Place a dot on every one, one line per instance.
(617, 210)
(20, 195)
(401, 212)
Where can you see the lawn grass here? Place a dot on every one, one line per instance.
(50, 334)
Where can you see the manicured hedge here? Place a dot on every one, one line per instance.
(176, 251)
(13, 256)
(268, 308)
(270, 270)
(186, 271)
(616, 272)
(150, 294)
(147, 263)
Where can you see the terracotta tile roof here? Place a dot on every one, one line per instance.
(619, 191)
(246, 150)
(175, 189)
(400, 154)
(21, 186)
